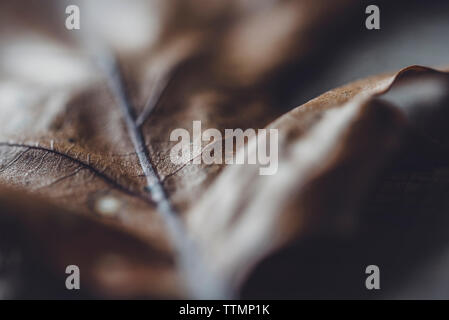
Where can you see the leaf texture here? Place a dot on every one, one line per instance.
(84, 140)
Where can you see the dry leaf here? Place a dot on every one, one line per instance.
(85, 124)
(331, 150)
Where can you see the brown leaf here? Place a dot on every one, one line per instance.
(113, 263)
(85, 124)
(70, 133)
(331, 150)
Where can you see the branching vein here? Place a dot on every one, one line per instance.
(199, 280)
